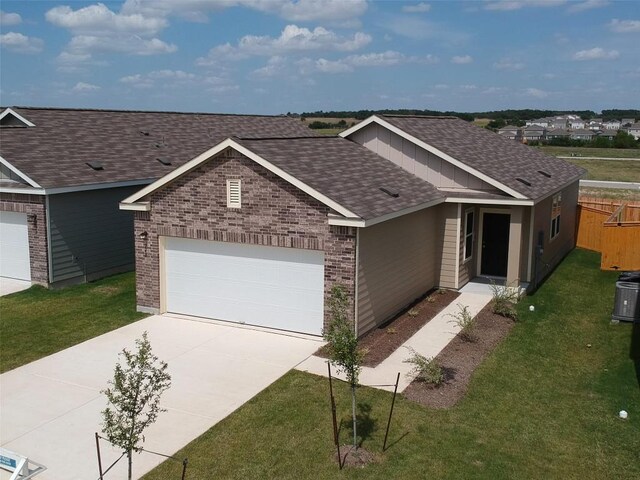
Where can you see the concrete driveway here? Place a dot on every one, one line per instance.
(11, 285)
(51, 408)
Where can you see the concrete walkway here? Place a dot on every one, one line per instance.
(609, 184)
(50, 408)
(428, 341)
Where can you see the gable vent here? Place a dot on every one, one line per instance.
(234, 196)
(164, 161)
(389, 192)
(95, 165)
(522, 180)
(542, 172)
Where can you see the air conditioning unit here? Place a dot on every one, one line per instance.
(626, 306)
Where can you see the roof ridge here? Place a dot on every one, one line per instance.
(166, 112)
(314, 137)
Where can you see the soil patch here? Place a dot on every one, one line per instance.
(382, 341)
(355, 458)
(459, 359)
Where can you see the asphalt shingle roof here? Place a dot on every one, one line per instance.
(491, 154)
(54, 153)
(347, 173)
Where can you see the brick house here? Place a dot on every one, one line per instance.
(258, 230)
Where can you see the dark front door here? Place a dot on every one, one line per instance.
(495, 244)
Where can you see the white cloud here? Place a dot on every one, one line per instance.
(536, 92)
(331, 11)
(596, 53)
(507, 5)
(97, 20)
(441, 86)
(19, 43)
(9, 19)
(82, 87)
(274, 66)
(624, 26)
(132, 45)
(350, 63)
(418, 28)
(468, 87)
(166, 77)
(421, 7)
(293, 39)
(508, 64)
(587, 5)
(171, 74)
(462, 59)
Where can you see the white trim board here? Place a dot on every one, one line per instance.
(220, 147)
(9, 111)
(433, 150)
(358, 222)
(22, 175)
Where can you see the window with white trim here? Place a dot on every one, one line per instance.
(234, 196)
(556, 207)
(468, 234)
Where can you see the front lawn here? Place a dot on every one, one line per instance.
(543, 405)
(590, 152)
(38, 322)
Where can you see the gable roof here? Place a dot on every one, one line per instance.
(486, 154)
(343, 175)
(55, 152)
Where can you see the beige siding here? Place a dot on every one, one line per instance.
(449, 245)
(398, 261)
(554, 250)
(416, 160)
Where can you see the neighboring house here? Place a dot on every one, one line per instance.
(612, 125)
(511, 131)
(595, 124)
(63, 173)
(582, 134)
(534, 133)
(540, 122)
(259, 231)
(625, 122)
(558, 133)
(634, 130)
(608, 134)
(576, 123)
(558, 122)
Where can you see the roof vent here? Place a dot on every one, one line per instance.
(144, 132)
(542, 172)
(95, 165)
(522, 180)
(164, 161)
(389, 192)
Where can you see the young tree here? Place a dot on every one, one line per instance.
(343, 345)
(134, 398)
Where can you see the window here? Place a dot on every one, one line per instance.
(556, 207)
(468, 234)
(233, 194)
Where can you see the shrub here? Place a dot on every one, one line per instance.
(504, 300)
(463, 319)
(425, 369)
(414, 312)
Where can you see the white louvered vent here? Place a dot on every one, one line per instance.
(233, 194)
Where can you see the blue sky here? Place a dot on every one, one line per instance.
(278, 56)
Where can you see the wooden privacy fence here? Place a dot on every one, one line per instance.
(611, 227)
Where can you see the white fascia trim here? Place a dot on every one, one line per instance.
(136, 207)
(558, 189)
(358, 222)
(434, 151)
(26, 191)
(8, 111)
(19, 173)
(96, 186)
(229, 143)
(487, 201)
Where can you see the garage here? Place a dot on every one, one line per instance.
(272, 287)
(14, 246)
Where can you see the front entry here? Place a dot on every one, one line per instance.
(495, 244)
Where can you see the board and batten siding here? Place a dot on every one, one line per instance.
(415, 159)
(90, 236)
(398, 261)
(449, 246)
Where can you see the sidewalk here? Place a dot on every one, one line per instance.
(428, 341)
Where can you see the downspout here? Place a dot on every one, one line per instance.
(357, 282)
(47, 214)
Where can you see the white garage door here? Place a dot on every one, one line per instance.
(257, 285)
(14, 246)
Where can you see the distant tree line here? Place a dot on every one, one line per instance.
(362, 114)
(621, 140)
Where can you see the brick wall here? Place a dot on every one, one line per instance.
(34, 207)
(273, 213)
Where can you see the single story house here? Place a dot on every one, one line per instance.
(63, 173)
(511, 131)
(534, 133)
(558, 133)
(582, 134)
(259, 230)
(634, 130)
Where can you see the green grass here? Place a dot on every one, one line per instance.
(592, 152)
(38, 322)
(543, 405)
(614, 170)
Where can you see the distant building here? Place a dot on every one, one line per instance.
(540, 122)
(558, 122)
(558, 133)
(511, 131)
(626, 122)
(595, 124)
(607, 133)
(576, 123)
(534, 132)
(634, 130)
(612, 125)
(582, 134)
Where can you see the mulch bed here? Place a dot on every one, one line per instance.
(459, 359)
(355, 458)
(382, 341)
